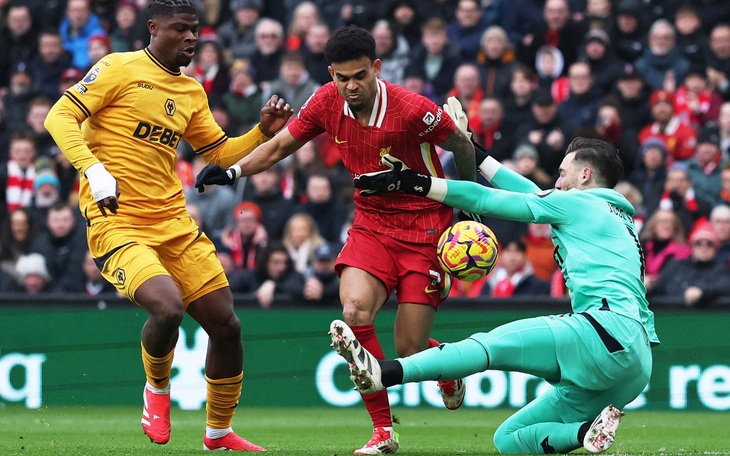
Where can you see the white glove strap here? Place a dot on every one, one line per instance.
(236, 171)
(103, 184)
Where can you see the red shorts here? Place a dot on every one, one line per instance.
(412, 270)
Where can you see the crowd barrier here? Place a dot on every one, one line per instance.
(72, 350)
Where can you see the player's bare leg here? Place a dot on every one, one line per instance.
(161, 298)
(362, 296)
(223, 369)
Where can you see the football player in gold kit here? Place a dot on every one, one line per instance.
(120, 127)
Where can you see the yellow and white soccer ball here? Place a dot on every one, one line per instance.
(468, 250)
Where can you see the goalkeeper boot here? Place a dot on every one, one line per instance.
(230, 442)
(452, 393)
(383, 441)
(156, 415)
(601, 434)
(364, 367)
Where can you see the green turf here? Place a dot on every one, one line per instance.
(72, 431)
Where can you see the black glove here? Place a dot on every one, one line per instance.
(215, 175)
(480, 152)
(398, 178)
(464, 216)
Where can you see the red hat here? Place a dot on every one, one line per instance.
(71, 74)
(704, 230)
(661, 95)
(249, 206)
(103, 38)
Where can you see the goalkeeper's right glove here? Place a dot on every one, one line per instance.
(215, 175)
(397, 178)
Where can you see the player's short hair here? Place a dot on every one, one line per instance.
(349, 43)
(169, 8)
(601, 156)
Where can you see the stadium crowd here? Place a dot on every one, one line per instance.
(651, 77)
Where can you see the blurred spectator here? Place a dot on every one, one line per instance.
(52, 60)
(632, 98)
(718, 60)
(521, 89)
(581, 107)
(633, 196)
(393, 51)
(695, 103)
(209, 67)
(95, 284)
(77, 27)
(406, 20)
(237, 34)
(264, 190)
(246, 237)
(313, 52)
(526, 162)
(497, 58)
(597, 14)
(692, 40)
(704, 168)
(549, 64)
(663, 239)
(436, 58)
(99, 46)
(662, 59)
(18, 174)
(33, 275)
(609, 127)
(468, 88)
(679, 139)
(127, 34)
(69, 78)
(302, 164)
(63, 245)
(627, 33)
(244, 99)
(18, 40)
(18, 97)
(725, 183)
(466, 30)
(521, 20)
(46, 194)
(294, 83)
(650, 172)
(720, 219)
(539, 250)
(680, 196)
(266, 59)
(301, 239)
(19, 230)
(324, 206)
(544, 131)
(558, 30)
(490, 129)
(37, 113)
(514, 275)
(216, 203)
(723, 127)
(274, 276)
(606, 68)
(700, 279)
(305, 15)
(322, 284)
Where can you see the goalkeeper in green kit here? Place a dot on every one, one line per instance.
(598, 358)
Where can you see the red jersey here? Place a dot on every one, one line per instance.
(403, 124)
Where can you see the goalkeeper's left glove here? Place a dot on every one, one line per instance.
(397, 178)
(464, 216)
(453, 108)
(215, 175)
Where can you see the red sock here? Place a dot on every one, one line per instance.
(377, 403)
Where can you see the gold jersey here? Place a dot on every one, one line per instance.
(133, 114)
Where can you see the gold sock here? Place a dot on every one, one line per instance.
(223, 397)
(157, 370)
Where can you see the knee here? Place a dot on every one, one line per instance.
(409, 346)
(505, 441)
(355, 310)
(228, 329)
(168, 313)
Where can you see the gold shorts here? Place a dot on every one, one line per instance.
(128, 255)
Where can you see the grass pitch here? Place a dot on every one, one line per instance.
(75, 431)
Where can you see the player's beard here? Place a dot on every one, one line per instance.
(355, 107)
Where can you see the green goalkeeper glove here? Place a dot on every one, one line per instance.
(397, 178)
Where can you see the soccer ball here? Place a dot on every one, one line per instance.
(468, 251)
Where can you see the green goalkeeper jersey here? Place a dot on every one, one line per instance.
(596, 242)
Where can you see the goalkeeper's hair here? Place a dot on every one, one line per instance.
(168, 8)
(601, 156)
(349, 43)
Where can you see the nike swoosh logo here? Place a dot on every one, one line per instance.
(338, 141)
(428, 290)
